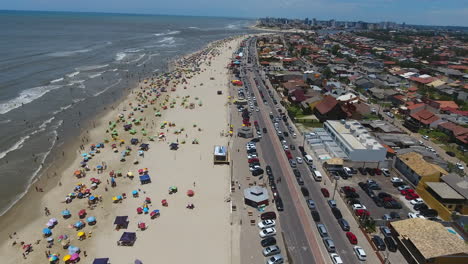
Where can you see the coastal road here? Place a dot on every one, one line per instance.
(344, 248)
(300, 239)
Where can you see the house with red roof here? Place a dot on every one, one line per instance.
(426, 119)
(329, 109)
(453, 129)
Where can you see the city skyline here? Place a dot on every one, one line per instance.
(416, 12)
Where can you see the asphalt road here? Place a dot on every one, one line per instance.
(296, 241)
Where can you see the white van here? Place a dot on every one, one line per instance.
(317, 175)
(308, 159)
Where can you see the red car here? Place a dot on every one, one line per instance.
(378, 171)
(411, 196)
(252, 160)
(325, 192)
(288, 154)
(362, 212)
(405, 192)
(351, 237)
(348, 189)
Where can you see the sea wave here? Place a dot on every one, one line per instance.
(26, 97)
(56, 80)
(20, 143)
(91, 67)
(73, 74)
(120, 56)
(132, 50)
(232, 26)
(167, 33)
(63, 108)
(68, 53)
(91, 76)
(5, 121)
(194, 27)
(137, 59)
(147, 59)
(108, 87)
(168, 40)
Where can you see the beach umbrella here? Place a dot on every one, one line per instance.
(46, 231)
(84, 154)
(91, 219)
(53, 257)
(50, 239)
(53, 220)
(99, 167)
(49, 224)
(130, 174)
(72, 249)
(91, 198)
(190, 193)
(80, 234)
(119, 197)
(74, 256)
(134, 192)
(79, 224)
(66, 257)
(82, 212)
(137, 261)
(145, 210)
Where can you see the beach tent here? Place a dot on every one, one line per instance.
(121, 221)
(101, 261)
(144, 179)
(127, 239)
(144, 147)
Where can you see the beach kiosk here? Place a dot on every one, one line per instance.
(144, 179)
(256, 196)
(127, 239)
(245, 132)
(220, 155)
(101, 261)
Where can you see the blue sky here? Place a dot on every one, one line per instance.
(427, 12)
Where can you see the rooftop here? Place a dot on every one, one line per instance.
(423, 168)
(354, 134)
(432, 239)
(444, 191)
(459, 184)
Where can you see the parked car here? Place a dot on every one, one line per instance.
(386, 172)
(268, 215)
(336, 259)
(325, 192)
(322, 230)
(329, 244)
(362, 212)
(362, 171)
(396, 179)
(267, 232)
(305, 191)
(385, 231)
(429, 213)
(379, 243)
(343, 224)
(395, 215)
(300, 181)
(297, 173)
(416, 201)
(299, 160)
(451, 153)
(257, 172)
(332, 203)
(315, 215)
(311, 204)
(351, 237)
(266, 223)
(271, 250)
(268, 170)
(337, 213)
(360, 253)
(275, 259)
(403, 187)
(420, 207)
(279, 204)
(358, 206)
(391, 244)
(269, 241)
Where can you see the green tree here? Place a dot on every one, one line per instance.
(327, 72)
(335, 49)
(304, 51)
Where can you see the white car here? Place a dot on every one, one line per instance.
(276, 259)
(414, 215)
(253, 168)
(257, 110)
(268, 232)
(416, 201)
(395, 179)
(299, 160)
(460, 166)
(360, 253)
(271, 250)
(425, 137)
(358, 206)
(285, 147)
(266, 224)
(385, 172)
(294, 135)
(404, 187)
(279, 132)
(336, 259)
(251, 156)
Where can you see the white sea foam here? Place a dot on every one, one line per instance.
(75, 101)
(132, 50)
(91, 76)
(73, 74)
(91, 67)
(147, 59)
(56, 80)
(114, 70)
(167, 33)
(108, 87)
(168, 40)
(232, 26)
(19, 144)
(137, 59)
(26, 97)
(194, 27)
(120, 56)
(68, 53)
(63, 108)
(5, 121)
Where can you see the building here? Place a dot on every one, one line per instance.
(424, 241)
(256, 196)
(329, 109)
(355, 141)
(413, 166)
(220, 155)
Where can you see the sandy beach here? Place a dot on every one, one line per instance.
(189, 111)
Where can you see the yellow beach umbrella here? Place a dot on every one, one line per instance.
(66, 258)
(80, 234)
(114, 198)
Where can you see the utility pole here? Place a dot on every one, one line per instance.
(336, 185)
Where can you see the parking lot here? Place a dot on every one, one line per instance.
(386, 186)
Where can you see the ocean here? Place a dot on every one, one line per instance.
(60, 69)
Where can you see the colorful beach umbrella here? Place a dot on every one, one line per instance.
(91, 219)
(66, 257)
(46, 231)
(74, 256)
(53, 257)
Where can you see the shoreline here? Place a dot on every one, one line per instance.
(32, 202)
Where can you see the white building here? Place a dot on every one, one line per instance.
(355, 140)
